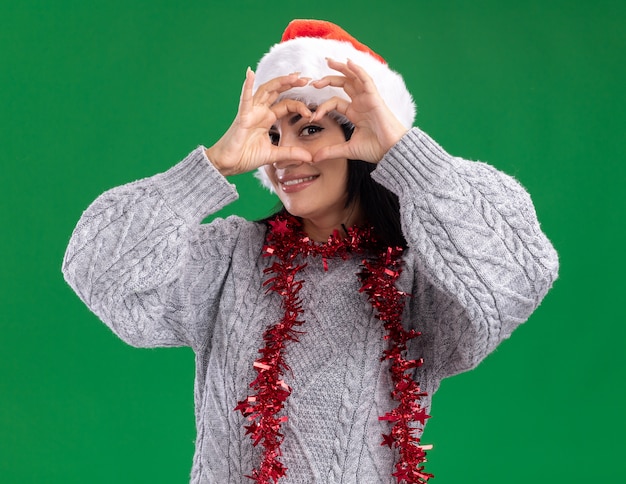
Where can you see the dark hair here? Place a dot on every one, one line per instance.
(379, 206)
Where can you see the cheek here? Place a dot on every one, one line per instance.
(342, 174)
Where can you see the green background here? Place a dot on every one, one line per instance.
(96, 94)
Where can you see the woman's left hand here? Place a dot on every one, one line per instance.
(376, 128)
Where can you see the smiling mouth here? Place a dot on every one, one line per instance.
(299, 180)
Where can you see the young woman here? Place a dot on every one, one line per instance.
(324, 330)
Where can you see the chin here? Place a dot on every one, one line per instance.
(297, 211)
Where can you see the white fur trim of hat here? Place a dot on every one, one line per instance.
(304, 47)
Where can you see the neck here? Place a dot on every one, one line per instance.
(319, 229)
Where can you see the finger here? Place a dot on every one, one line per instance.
(269, 91)
(332, 152)
(335, 81)
(351, 86)
(290, 153)
(342, 67)
(354, 71)
(280, 83)
(274, 95)
(287, 106)
(245, 100)
(333, 104)
(362, 75)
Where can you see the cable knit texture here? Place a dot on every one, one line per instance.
(477, 266)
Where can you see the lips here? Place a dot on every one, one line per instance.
(299, 180)
(295, 182)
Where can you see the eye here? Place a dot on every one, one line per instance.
(274, 138)
(310, 130)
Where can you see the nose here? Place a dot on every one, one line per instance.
(281, 165)
(287, 141)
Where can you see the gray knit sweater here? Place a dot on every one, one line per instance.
(477, 266)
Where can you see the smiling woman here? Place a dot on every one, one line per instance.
(309, 350)
(315, 192)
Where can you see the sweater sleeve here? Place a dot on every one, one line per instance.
(141, 260)
(475, 237)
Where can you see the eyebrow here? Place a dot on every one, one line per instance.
(295, 119)
(298, 117)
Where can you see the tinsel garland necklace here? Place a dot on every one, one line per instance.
(286, 242)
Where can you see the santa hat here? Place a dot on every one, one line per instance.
(304, 47)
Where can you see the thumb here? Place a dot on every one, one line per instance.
(341, 150)
(290, 153)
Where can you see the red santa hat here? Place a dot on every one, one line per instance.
(304, 47)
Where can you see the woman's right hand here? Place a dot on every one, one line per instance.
(246, 145)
